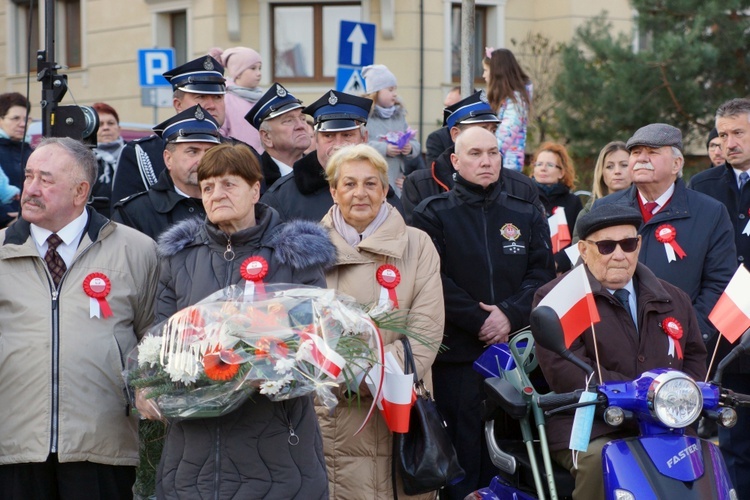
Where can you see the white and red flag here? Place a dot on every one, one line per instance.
(574, 303)
(731, 314)
(559, 230)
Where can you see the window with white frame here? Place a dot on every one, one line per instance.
(26, 35)
(479, 42)
(305, 38)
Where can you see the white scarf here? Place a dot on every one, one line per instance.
(351, 235)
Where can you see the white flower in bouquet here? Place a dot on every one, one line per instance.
(271, 387)
(285, 365)
(148, 352)
(182, 372)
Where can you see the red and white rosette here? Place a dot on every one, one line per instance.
(667, 234)
(389, 277)
(253, 270)
(673, 329)
(746, 231)
(97, 286)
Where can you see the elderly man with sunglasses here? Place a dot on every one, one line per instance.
(631, 337)
(687, 237)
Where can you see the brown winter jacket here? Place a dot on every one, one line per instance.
(360, 467)
(623, 357)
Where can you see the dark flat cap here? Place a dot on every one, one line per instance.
(608, 215)
(656, 135)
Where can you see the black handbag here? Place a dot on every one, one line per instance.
(424, 456)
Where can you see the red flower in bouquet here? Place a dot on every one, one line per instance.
(221, 364)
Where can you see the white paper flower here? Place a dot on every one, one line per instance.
(272, 387)
(149, 350)
(304, 351)
(284, 365)
(180, 374)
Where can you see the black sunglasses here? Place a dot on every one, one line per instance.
(606, 247)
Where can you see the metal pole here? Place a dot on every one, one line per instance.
(54, 86)
(467, 47)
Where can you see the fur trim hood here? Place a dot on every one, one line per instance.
(299, 244)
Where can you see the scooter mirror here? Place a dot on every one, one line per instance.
(547, 329)
(548, 333)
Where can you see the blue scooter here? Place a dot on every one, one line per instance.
(663, 462)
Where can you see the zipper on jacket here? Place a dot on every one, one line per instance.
(217, 462)
(55, 369)
(229, 256)
(487, 253)
(293, 438)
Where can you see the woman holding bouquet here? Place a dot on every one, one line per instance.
(263, 449)
(371, 237)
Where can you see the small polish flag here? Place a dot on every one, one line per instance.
(558, 228)
(731, 314)
(574, 303)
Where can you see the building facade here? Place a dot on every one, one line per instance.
(419, 40)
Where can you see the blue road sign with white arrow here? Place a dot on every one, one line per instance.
(356, 44)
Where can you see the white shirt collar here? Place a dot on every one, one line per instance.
(283, 167)
(661, 200)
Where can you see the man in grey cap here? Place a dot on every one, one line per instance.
(632, 303)
(688, 238)
(176, 195)
(283, 132)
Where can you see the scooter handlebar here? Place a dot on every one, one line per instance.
(740, 399)
(553, 401)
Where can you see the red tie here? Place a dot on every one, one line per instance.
(650, 206)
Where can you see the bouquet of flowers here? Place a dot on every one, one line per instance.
(399, 139)
(208, 359)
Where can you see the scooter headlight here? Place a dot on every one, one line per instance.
(675, 399)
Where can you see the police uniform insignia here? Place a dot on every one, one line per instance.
(280, 91)
(332, 99)
(510, 232)
(199, 114)
(483, 97)
(208, 65)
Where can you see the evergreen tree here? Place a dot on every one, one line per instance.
(692, 56)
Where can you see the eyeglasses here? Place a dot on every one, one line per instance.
(546, 164)
(714, 145)
(606, 247)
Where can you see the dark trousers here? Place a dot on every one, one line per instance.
(52, 480)
(735, 442)
(458, 392)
